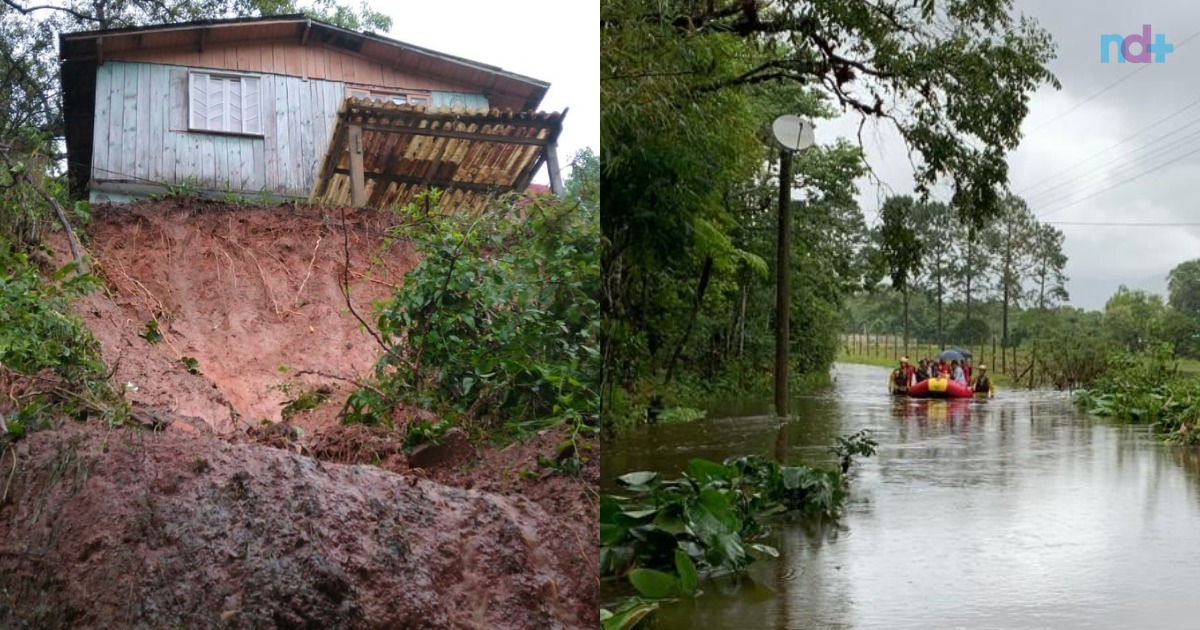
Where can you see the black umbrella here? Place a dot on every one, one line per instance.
(950, 355)
(965, 353)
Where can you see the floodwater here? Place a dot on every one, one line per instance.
(1015, 513)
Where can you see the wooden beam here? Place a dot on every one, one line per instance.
(100, 50)
(433, 183)
(358, 189)
(307, 30)
(522, 182)
(556, 183)
(460, 135)
(410, 116)
(333, 155)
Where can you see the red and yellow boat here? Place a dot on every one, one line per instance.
(939, 387)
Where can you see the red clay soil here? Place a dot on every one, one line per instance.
(253, 294)
(221, 520)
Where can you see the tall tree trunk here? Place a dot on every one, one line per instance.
(970, 253)
(742, 322)
(1042, 286)
(1004, 317)
(1006, 277)
(705, 274)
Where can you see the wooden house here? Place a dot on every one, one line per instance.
(294, 108)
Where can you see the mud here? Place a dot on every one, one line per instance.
(253, 294)
(124, 528)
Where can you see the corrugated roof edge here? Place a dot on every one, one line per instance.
(298, 18)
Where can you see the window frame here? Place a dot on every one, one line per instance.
(225, 75)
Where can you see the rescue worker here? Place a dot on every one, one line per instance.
(901, 377)
(983, 384)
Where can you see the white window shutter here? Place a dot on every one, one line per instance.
(251, 106)
(198, 100)
(233, 97)
(217, 102)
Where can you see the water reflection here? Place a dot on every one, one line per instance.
(1016, 512)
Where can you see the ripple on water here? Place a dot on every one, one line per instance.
(1018, 512)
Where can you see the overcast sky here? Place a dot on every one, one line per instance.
(554, 41)
(1100, 257)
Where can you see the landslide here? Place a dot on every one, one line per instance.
(227, 517)
(253, 294)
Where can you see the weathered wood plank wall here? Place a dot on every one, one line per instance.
(141, 134)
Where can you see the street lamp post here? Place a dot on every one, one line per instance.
(793, 134)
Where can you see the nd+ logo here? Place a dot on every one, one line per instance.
(1158, 49)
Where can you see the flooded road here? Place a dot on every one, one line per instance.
(1018, 512)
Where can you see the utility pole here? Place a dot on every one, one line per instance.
(783, 275)
(793, 134)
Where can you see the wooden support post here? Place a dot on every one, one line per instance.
(358, 188)
(556, 183)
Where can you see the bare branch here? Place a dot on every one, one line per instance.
(27, 10)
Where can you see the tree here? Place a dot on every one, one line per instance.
(1010, 242)
(1134, 318)
(955, 78)
(900, 248)
(1183, 288)
(938, 225)
(1049, 261)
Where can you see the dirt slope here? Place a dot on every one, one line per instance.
(245, 291)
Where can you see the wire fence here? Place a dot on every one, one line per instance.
(1014, 362)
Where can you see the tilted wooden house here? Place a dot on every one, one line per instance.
(295, 108)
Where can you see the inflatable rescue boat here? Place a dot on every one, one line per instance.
(939, 387)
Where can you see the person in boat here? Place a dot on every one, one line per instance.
(901, 377)
(922, 373)
(982, 384)
(966, 365)
(956, 373)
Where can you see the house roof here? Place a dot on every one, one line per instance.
(406, 149)
(93, 45)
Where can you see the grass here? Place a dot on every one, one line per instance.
(887, 355)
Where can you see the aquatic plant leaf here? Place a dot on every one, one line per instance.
(628, 615)
(654, 584)
(703, 470)
(689, 580)
(611, 534)
(635, 479)
(712, 515)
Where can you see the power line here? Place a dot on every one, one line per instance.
(1049, 195)
(1110, 148)
(1119, 224)
(1118, 184)
(1109, 86)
